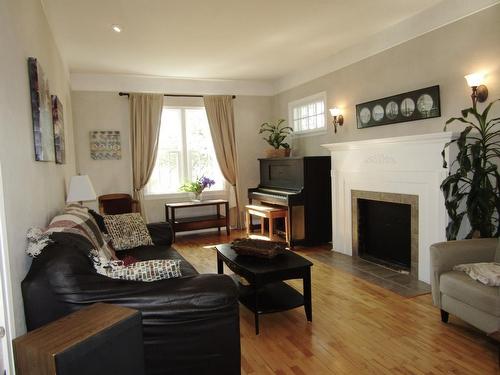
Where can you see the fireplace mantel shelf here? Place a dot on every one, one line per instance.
(409, 139)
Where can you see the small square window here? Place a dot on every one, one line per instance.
(308, 114)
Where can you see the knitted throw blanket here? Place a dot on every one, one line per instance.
(75, 219)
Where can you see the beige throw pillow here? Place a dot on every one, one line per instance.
(127, 231)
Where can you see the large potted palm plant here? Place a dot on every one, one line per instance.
(471, 189)
(276, 135)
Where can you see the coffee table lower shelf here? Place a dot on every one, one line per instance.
(275, 297)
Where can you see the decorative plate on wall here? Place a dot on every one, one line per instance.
(409, 106)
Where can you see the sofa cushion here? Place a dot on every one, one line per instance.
(99, 219)
(127, 231)
(161, 233)
(497, 253)
(460, 286)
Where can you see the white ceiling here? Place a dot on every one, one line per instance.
(216, 39)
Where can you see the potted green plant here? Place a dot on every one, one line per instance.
(472, 187)
(276, 134)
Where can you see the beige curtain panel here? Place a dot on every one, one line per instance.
(145, 119)
(221, 120)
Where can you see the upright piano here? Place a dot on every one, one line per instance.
(303, 185)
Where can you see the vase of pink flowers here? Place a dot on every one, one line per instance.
(197, 186)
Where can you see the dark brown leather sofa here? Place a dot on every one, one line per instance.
(191, 323)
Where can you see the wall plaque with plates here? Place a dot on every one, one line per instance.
(410, 106)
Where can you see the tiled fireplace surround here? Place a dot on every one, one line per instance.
(409, 199)
(400, 169)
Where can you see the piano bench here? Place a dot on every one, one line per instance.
(266, 212)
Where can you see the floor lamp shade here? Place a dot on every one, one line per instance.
(81, 189)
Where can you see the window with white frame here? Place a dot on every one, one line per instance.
(185, 151)
(308, 115)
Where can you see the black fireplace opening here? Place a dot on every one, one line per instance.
(384, 233)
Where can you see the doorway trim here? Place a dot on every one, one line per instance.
(7, 312)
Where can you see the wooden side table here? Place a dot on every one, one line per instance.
(99, 340)
(198, 222)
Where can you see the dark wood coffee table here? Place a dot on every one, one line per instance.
(267, 293)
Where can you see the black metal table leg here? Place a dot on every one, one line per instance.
(256, 313)
(307, 294)
(220, 266)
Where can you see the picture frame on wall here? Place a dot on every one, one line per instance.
(409, 106)
(58, 121)
(41, 112)
(105, 145)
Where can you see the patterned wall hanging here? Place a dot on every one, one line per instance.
(105, 145)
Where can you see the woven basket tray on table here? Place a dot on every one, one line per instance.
(258, 248)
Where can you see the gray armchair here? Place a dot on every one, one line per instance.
(456, 293)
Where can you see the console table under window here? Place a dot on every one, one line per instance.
(183, 224)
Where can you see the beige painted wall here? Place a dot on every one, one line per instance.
(34, 191)
(102, 111)
(249, 113)
(441, 57)
(108, 111)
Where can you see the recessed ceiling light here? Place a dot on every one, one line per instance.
(116, 28)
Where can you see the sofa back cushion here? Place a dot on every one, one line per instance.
(497, 253)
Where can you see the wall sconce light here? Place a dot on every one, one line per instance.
(338, 119)
(479, 91)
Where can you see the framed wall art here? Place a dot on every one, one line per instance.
(58, 121)
(41, 112)
(409, 106)
(105, 145)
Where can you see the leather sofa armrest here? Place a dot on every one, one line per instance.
(446, 255)
(161, 233)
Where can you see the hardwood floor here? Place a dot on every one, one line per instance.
(357, 328)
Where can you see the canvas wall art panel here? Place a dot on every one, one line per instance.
(409, 106)
(58, 120)
(41, 111)
(105, 145)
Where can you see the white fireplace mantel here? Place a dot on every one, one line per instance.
(402, 165)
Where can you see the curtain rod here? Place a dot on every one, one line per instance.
(172, 95)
